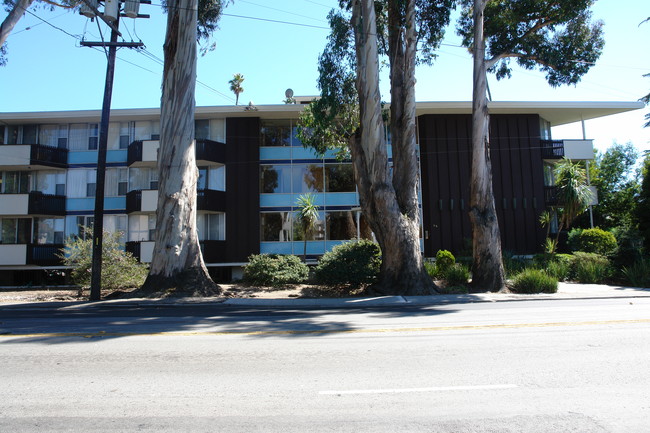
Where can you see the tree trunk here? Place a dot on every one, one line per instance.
(487, 266)
(177, 264)
(12, 18)
(397, 230)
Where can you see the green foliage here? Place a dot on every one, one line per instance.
(351, 263)
(643, 204)
(511, 264)
(593, 240)
(236, 86)
(307, 216)
(638, 274)
(431, 269)
(556, 37)
(573, 193)
(590, 268)
(614, 176)
(456, 275)
(630, 246)
(120, 270)
(275, 270)
(559, 268)
(534, 281)
(444, 260)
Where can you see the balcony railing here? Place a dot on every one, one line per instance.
(134, 201)
(133, 248)
(46, 204)
(134, 152)
(49, 155)
(208, 150)
(44, 254)
(552, 149)
(211, 200)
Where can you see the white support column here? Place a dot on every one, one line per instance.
(591, 208)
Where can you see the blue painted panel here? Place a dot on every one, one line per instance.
(302, 153)
(275, 153)
(88, 204)
(116, 155)
(82, 157)
(342, 199)
(275, 200)
(275, 247)
(313, 248)
(331, 244)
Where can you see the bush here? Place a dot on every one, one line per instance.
(638, 275)
(594, 240)
(456, 275)
(590, 268)
(534, 281)
(352, 263)
(120, 270)
(275, 270)
(431, 269)
(630, 246)
(444, 260)
(512, 265)
(559, 267)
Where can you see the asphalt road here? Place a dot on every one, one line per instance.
(530, 366)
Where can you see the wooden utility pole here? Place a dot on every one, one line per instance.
(98, 221)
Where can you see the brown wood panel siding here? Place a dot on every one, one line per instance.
(517, 180)
(242, 188)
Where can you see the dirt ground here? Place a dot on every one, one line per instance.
(229, 291)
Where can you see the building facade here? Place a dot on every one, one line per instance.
(252, 170)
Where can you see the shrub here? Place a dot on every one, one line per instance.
(444, 260)
(353, 263)
(120, 270)
(431, 269)
(594, 240)
(559, 267)
(638, 274)
(457, 275)
(590, 268)
(512, 265)
(630, 246)
(534, 281)
(275, 270)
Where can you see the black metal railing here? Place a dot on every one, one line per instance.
(48, 155)
(134, 152)
(44, 254)
(208, 150)
(133, 247)
(213, 251)
(134, 201)
(552, 149)
(46, 204)
(211, 200)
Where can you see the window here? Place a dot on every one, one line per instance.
(276, 226)
(48, 230)
(339, 178)
(317, 234)
(211, 227)
(142, 228)
(93, 136)
(153, 178)
(143, 178)
(30, 134)
(125, 136)
(62, 141)
(202, 129)
(15, 182)
(275, 178)
(15, 230)
(122, 181)
(91, 186)
(13, 134)
(307, 178)
(276, 133)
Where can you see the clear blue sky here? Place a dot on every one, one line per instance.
(48, 70)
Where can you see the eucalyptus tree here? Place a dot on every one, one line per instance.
(556, 36)
(349, 117)
(177, 263)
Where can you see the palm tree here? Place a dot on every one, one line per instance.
(235, 86)
(307, 215)
(572, 192)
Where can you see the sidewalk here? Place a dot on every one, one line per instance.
(566, 291)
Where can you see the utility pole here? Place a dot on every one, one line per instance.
(98, 222)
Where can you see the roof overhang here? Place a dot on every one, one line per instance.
(557, 113)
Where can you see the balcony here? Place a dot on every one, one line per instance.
(13, 254)
(575, 150)
(35, 156)
(551, 199)
(44, 254)
(213, 251)
(142, 201)
(141, 250)
(145, 153)
(34, 203)
(139, 201)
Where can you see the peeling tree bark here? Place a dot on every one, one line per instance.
(396, 228)
(177, 263)
(487, 266)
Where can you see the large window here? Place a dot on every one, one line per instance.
(49, 182)
(276, 133)
(212, 178)
(285, 227)
(339, 178)
(143, 178)
(211, 227)
(346, 225)
(93, 136)
(142, 227)
(14, 182)
(49, 230)
(15, 230)
(307, 178)
(275, 178)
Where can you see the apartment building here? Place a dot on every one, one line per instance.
(252, 170)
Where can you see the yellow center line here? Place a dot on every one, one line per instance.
(323, 331)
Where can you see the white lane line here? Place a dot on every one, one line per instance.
(431, 389)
